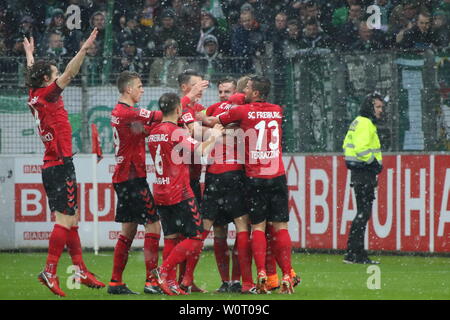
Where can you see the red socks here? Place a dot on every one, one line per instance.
(244, 256)
(169, 244)
(271, 263)
(235, 271)
(151, 247)
(120, 257)
(74, 247)
(181, 252)
(259, 246)
(222, 254)
(56, 244)
(282, 250)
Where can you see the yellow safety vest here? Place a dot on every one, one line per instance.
(361, 144)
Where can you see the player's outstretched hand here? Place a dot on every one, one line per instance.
(90, 41)
(28, 45)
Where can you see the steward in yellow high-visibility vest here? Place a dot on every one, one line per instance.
(362, 151)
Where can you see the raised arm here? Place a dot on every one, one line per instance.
(28, 46)
(73, 67)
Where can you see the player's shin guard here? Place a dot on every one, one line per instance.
(56, 244)
(222, 255)
(283, 247)
(120, 257)
(245, 256)
(74, 248)
(151, 247)
(259, 247)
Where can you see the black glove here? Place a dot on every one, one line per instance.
(375, 167)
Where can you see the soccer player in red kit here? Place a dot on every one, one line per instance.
(191, 86)
(135, 202)
(224, 202)
(265, 177)
(58, 172)
(171, 148)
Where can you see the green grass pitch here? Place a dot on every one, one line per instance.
(324, 276)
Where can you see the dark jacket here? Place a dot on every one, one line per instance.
(415, 39)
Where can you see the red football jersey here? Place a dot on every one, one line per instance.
(224, 157)
(171, 148)
(188, 117)
(53, 124)
(261, 123)
(129, 145)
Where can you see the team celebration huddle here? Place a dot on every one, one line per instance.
(238, 139)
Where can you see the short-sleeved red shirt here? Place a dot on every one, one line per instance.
(170, 146)
(130, 146)
(47, 107)
(261, 123)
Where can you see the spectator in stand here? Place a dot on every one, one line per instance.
(310, 9)
(49, 7)
(368, 39)
(170, 30)
(165, 70)
(347, 33)
(208, 26)
(421, 36)
(132, 31)
(261, 9)
(314, 37)
(291, 45)
(277, 35)
(247, 42)
(341, 15)
(131, 58)
(71, 38)
(403, 17)
(27, 29)
(93, 62)
(441, 27)
(98, 21)
(211, 63)
(215, 8)
(17, 49)
(178, 9)
(55, 49)
(190, 18)
(149, 13)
